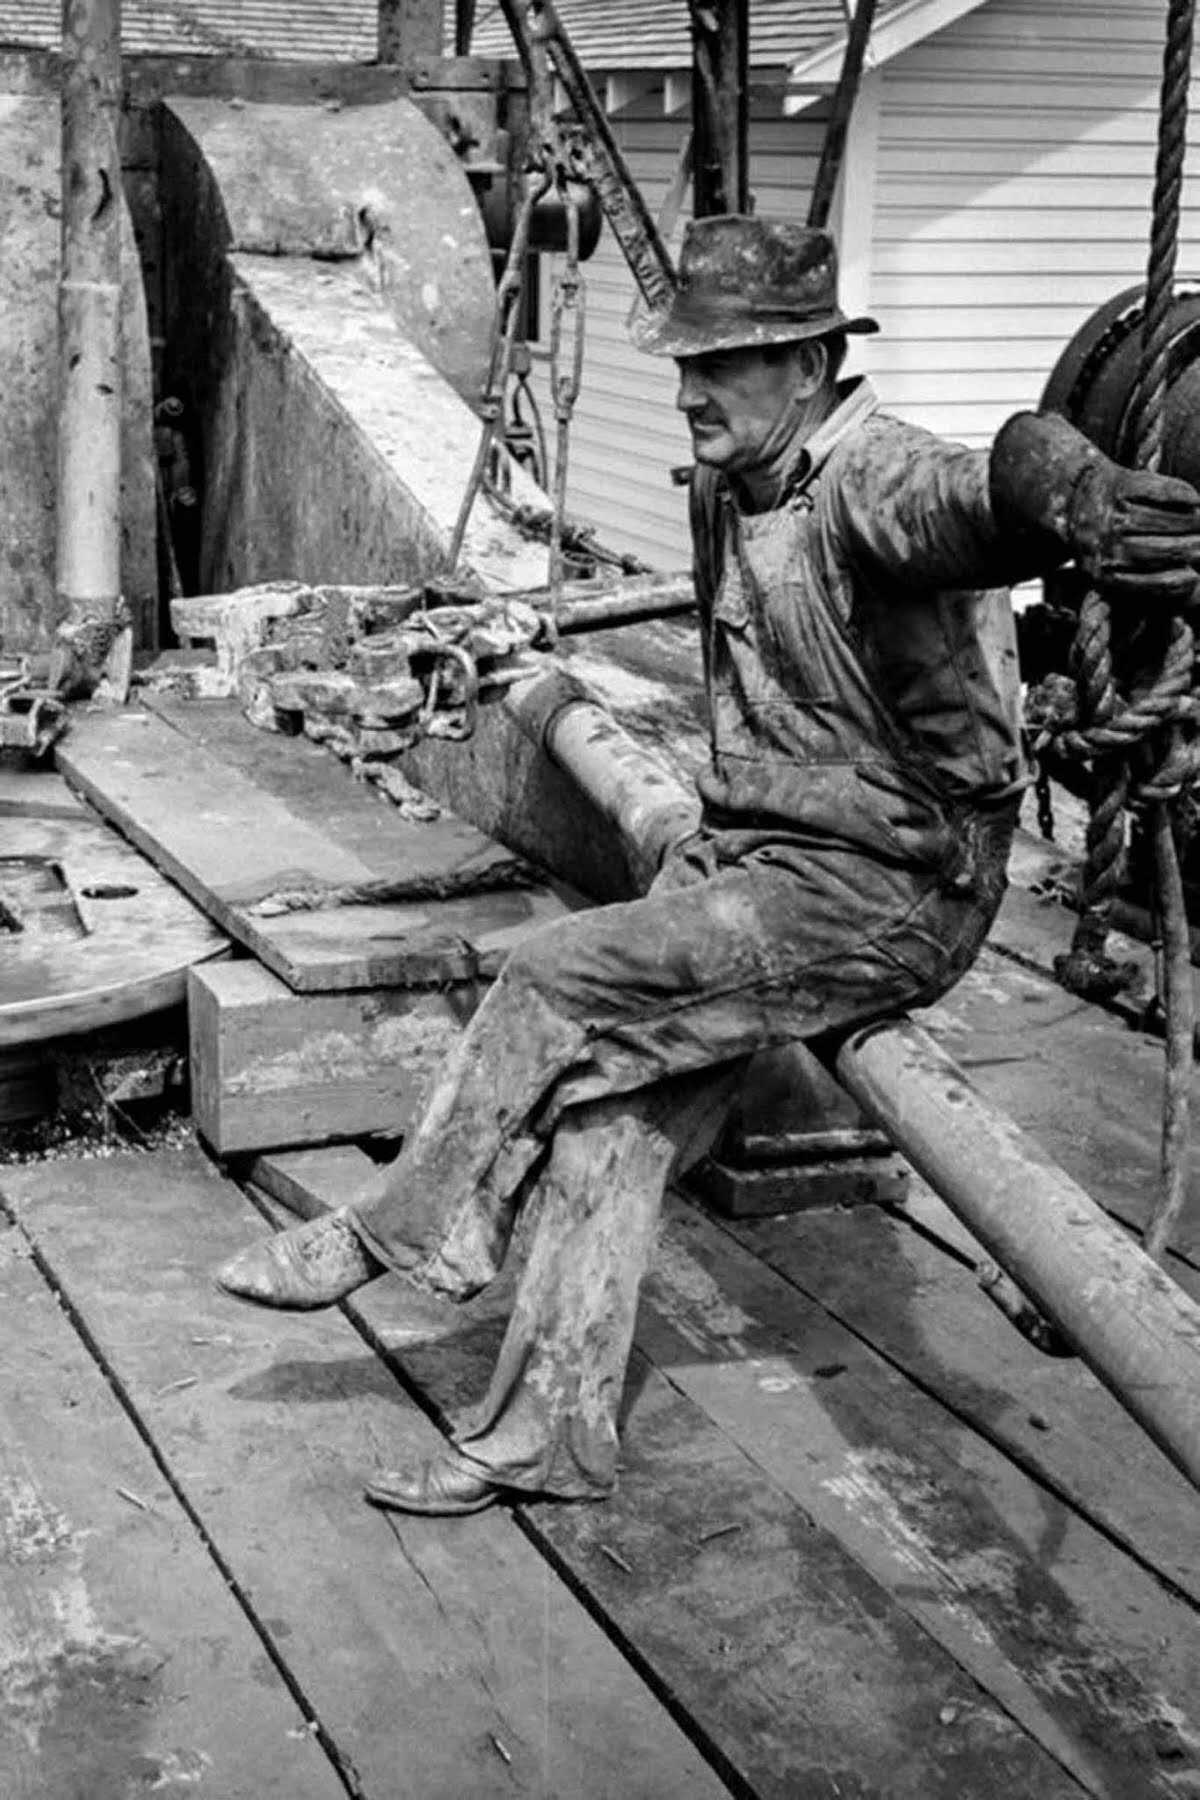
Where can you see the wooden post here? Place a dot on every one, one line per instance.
(88, 579)
(845, 94)
(720, 105)
(464, 26)
(409, 29)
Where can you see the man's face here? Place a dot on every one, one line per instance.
(735, 401)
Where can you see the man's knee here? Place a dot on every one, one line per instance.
(568, 956)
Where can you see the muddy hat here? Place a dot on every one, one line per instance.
(746, 281)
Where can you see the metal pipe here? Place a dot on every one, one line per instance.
(648, 805)
(88, 563)
(1134, 1327)
(637, 599)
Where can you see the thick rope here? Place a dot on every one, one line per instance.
(1154, 729)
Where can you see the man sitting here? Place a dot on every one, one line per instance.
(866, 769)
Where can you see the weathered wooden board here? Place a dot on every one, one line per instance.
(800, 1675)
(796, 1670)
(126, 1665)
(315, 787)
(105, 940)
(271, 1067)
(444, 1658)
(228, 843)
(1071, 1637)
(923, 1312)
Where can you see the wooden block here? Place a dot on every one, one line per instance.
(744, 1191)
(272, 1068)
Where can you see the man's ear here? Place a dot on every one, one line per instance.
(810, 365)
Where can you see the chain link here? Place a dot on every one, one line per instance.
(509, 292)
(566, 324)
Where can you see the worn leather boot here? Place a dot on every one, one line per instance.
(314, 1264)
(441, 1486)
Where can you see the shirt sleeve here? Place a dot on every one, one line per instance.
(914, 510)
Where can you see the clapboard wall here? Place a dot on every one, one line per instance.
(1013, 177)
(1000, 180)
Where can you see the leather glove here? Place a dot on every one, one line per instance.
(1134, 535)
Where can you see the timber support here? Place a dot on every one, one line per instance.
(93, 631)
(720, 106)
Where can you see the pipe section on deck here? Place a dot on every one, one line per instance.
(1134, 1327)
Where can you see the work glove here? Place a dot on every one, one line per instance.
(1134, 535)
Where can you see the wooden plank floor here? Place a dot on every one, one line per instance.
(867, 1541)
(127, 1666)
(826, 1571)
(1068, 1635)
(442, 1659)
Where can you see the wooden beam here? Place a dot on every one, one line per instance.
(408, 29)
(271, 1068)
(720, 105)
(845, 95)
(88, 562)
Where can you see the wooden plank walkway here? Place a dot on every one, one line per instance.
(127, 1665)
(819, 1577)
(443, 1660)
(1079, 1647)
(867, 1541)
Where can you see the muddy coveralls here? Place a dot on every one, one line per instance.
(856, 821)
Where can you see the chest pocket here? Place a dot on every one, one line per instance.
(799, 639)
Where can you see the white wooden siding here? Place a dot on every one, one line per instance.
(1013, 183)
(627, 435)
(1013, 159)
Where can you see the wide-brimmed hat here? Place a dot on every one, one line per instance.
(747, 281)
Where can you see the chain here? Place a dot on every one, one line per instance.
(566, 323)
(1045, 803)
(524, 438)
(509, 291)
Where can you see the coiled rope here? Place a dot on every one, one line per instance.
(1142, 745)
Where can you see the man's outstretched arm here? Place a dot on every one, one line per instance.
(926, 513)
